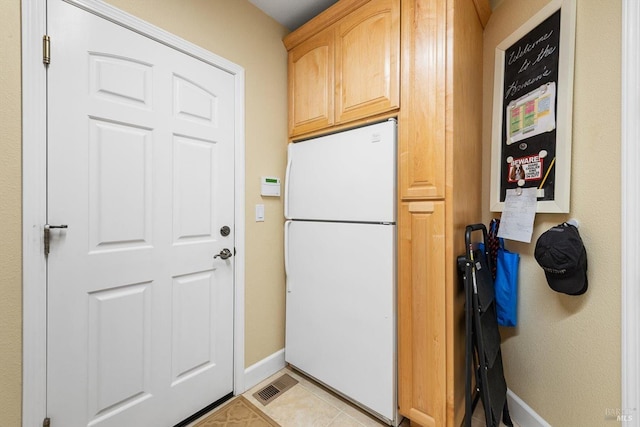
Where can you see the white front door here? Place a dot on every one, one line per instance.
(140, 169)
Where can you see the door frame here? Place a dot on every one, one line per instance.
(630, 210)
(34, 191)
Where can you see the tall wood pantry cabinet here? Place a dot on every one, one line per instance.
(362, 61)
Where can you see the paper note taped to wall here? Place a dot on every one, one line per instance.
(532, 114)
(516, 222)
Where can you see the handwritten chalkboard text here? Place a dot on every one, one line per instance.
(516, 86)
(544, 52)
(522, 51)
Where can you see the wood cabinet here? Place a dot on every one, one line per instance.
(311, 83)
(351, 48)
(440, 156)
(422, 368)
(344, 65)
(368, 61)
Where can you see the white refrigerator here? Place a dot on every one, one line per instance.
(340, 262)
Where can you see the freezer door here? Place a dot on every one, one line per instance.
(347, 176)
(340, 308)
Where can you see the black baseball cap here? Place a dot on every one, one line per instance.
(563, 257)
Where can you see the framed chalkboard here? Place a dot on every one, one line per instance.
(532, 109)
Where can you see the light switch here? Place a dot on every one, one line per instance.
(259, 213)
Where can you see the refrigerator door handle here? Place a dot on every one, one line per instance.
(287, 224)
(287, 176)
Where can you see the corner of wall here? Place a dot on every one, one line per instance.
(263, 369)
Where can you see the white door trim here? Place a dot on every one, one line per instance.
(630, 249)
(34, 318)
(34, 181)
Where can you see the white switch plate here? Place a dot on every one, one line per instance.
(259, 213)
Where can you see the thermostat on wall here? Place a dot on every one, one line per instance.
(270, 186)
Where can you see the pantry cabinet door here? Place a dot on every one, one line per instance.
(422, 338)
(422, 120)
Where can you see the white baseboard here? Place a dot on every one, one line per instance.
(522, 414)
(263, 369)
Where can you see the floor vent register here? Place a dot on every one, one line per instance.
(275, 389)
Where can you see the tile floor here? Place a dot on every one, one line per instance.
(309, 405)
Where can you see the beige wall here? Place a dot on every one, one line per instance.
(232, 29)
(564, 357)
(10, 215)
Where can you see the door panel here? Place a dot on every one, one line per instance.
(119, 347)
(340, 311)
(119, 173)
(421, 317)
(193, 328)
(368, 61)
(423, 119)
(194, 163)
(311, 84)
(346, 176)
(140, 167)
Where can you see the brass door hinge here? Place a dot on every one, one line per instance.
(46, 422)
(46, 50)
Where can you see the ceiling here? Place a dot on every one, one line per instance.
(292, 13)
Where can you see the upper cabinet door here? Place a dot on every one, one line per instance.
(367, 61)
(311, 83)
